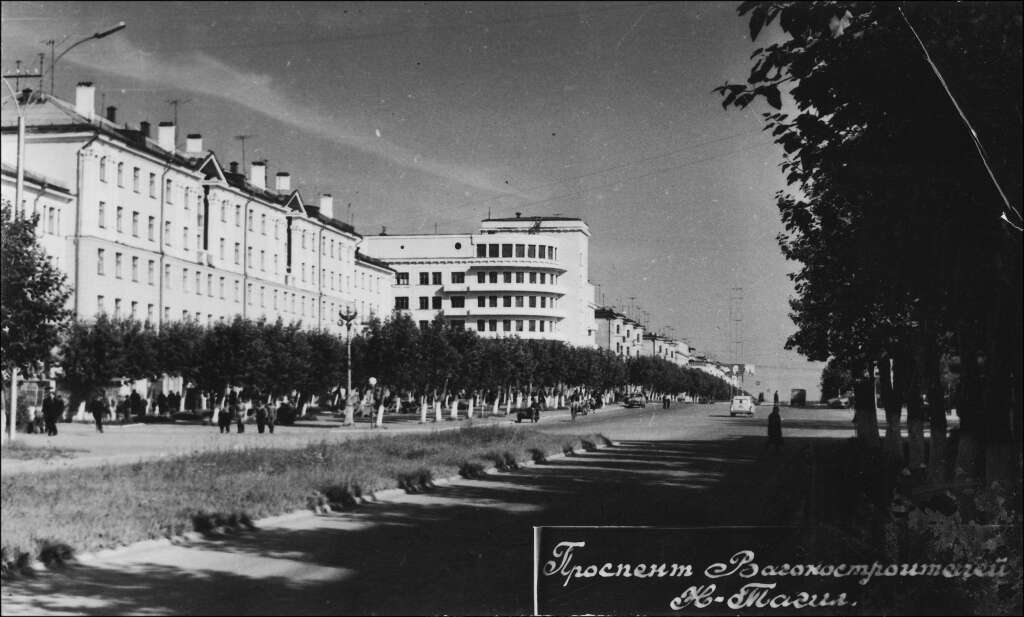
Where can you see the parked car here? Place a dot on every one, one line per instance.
(742, 405)
(635, 401)
(841, 402)
(527, 413)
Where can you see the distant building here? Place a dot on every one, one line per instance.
(525, 277)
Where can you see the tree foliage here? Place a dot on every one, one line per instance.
(33, 294)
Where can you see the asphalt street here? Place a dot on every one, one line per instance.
(460, 548)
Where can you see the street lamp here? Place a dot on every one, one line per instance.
(99, 35)
(346, 318)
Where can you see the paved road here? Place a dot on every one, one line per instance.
(463, 548)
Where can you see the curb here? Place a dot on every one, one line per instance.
(190, 537)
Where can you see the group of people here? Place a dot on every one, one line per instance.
(47, 417)
(233, 412)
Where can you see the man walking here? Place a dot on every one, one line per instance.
(98, 408)
(50, 413)
(775, 429)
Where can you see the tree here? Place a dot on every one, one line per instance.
(891, 211)
(34, 294)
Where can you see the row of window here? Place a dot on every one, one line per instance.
(426, 302)
(521, 325)
(435, 278)
(517, 250)
(136, 181)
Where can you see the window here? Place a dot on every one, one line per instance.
(492, 301)
(424, 278)
(184, 315)
(303, 238)
(151, 272)
(99, 305)
(168, 186)
(543, 302)
(248, 260)
(480, 325)
(151, 229)
(117, 308)
(541, 325)
(99, 261)
(117, 264)
(492, 277)
(237, 287)
(481, 250)
(152, 185)
(184, 280)
(209, 285)
(167, 233)
(481, 277)
(184, 238)
(275, 264)
(275, 302)
(134, 310)
(262, 292)
(533, 277)
(120, 174)
(520, 250)
(199, 283)
(220, 248)
(224, 212)
(481, 301)
(277, 230)
(492, 250)
(103, 178)
(149, 313)
(238, 216)
(250, 219)
(436, 278)
(533, 325)
(520, 277)
(135, 269)
(402, 303)
(248, 297)
(506, 250)
(101, 214)
(119, 220)
(519, 301)
(533, 301)
(506, 301)
(492, 325)
(136, 174)
(263, 224)
(424, 303)
(263, 260)
(506, 277)
(543, 278)
(135, 224)
(220, 288)
(531, 250)
(167, 313)
(519, 325)
(238, 253)
(436, 302)
(402, 278)
(458, 302)
(542, 249)
(458, 324)
(506, 325)
(167, 276)
(458, 277)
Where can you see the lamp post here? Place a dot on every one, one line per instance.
(346, 318)
(99, 35)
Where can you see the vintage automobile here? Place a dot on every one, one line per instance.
(527, 413)
(742, 405)
(635, 401)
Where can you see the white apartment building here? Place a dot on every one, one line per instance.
(53, 203)
(157, 234)
(516, 277)
(618, 333)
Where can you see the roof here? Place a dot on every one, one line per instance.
(373, 261)
(525, 219)
(38, 179)
(607, 313)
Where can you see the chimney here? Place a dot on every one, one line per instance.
(234, 167)
(111, 113)
(258, 174)
(327, 205)
(194, 143)
(165, 136)
(144, 128)
(85, 99)
(284, 182)
(519, 215)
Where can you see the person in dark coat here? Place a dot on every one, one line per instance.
(161, 403)
(225, 416)
(135, 405)
(775, 429)
(98, 409)
(261, 417)
(50, 412)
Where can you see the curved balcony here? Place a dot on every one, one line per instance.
(521, 263)
(504, 312)
(504, 289)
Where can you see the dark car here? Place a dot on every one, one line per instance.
(635, 401)
(527, 413)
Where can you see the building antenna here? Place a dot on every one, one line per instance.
(174, 103)
(242, 139)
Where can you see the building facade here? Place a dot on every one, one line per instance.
(521, 277)
(154, 233)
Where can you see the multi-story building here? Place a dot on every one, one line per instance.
(524, 277)
(49, 199)
(618, 333)
(158, 234)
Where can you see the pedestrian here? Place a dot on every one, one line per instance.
(775, 429)
(534, 409)
(240, 419)
(665, 402)
(135, 404)
(161, 403)
(261, 417)
(271, 418)
(50, 412)
(98, 408)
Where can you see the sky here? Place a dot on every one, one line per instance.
(424, 116)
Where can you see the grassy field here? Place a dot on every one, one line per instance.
(47, 515)
(20, 451)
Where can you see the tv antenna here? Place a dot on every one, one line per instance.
(242, 139)
(174, 103)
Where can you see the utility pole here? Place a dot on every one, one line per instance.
(242, 139)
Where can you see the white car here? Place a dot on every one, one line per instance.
(742, 405)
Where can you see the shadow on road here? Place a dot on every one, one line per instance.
(464, 548)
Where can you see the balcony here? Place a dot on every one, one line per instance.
(506, 289)
(504, 312)
(522, 263)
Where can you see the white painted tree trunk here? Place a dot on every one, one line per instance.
(469, 412)
(454, 409)
(423, 411)
(494, 412)
(380, 415)
(437, 411)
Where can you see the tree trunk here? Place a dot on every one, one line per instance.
(865, 418)
(893, 403)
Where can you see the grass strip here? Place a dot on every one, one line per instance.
(20, 451)
(51, 515)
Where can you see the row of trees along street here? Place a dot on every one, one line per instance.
(277, 359)
(903, 210)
